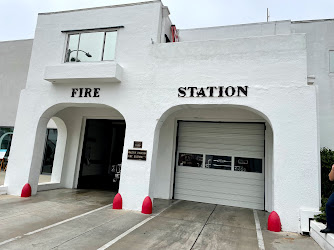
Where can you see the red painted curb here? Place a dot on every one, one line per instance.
(274, 222)
(147, 206)
(117, 203)
(26, 190)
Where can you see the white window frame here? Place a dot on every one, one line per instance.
(68, 34)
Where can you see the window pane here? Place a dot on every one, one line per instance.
(190, 160)
(331, 61)
(4, 130)
(49, 151)
(90, 47)
(6, 140)
(218, 162)
(52, 135)
(110, 45)
(248, 164)
(72, 49)
(5, 144)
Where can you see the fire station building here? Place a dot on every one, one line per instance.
(232, 115)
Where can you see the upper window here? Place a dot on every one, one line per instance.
(91, 47)
(331, 61)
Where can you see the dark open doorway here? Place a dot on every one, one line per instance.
(102, 154)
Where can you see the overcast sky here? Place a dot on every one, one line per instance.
(18, 17)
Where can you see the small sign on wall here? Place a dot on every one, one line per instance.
(137, 144)
(134, 154)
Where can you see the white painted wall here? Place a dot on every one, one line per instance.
(14, 68)
(14, 65)
(165, 25)
(133, 46)
(59, 156)
(319, 40)
(273, 66)
(284, 98)
(235, 31)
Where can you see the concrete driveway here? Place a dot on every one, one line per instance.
(78, 219)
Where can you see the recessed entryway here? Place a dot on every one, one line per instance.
(102, 151)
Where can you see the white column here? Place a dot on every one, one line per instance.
(136, 174)
(72, 156)
(60, 150)
(295, 171)
(27, 149)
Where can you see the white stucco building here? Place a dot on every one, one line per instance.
(231, 115)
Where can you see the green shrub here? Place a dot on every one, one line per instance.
(322, 217)
(327, 160)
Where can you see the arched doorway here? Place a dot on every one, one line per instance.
(94, 147)
(215, 154)
(54, 151)
(70, 156)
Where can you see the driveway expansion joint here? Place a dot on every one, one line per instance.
(203, 227)
(89, 230)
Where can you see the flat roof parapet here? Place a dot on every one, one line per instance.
(101, 7)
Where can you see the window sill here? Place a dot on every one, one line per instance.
(108, 72)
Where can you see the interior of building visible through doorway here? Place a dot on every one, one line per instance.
(101, 157)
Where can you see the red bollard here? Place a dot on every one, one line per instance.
(147, 206)
(26, 190)
(117, 203)
(274, 222)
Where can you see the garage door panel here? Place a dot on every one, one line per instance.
(221, 195)
(220, 173)
(220, 129)
(225, 187)
(222, 147)
(245, 140)
(219, 179)
(221, 125)
(244, 204)
(214, 151)
(234, 132)
(208, 144)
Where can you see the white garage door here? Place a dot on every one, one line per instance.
(221, 163)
